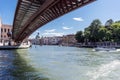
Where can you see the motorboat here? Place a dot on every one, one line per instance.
(104, 49)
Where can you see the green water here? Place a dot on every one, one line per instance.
(59, 63)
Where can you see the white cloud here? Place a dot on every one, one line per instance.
(78, 19)
(66, 28)
(52, 34)
(51, 30)
(37, 32)
(48, 34)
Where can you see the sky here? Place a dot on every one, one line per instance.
(69, 23)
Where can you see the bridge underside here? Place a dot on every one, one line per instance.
(32, 14)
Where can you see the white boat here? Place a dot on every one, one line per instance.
(104, 49)
(19, 46)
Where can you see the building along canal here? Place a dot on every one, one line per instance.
(59, 63)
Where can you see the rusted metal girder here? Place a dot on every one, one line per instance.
(32, 14)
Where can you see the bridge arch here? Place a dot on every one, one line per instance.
(33, 14)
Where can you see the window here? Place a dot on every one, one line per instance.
(4, 36)
(4, 30)
(1, 30)
(8, 30)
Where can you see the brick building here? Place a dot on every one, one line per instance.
(4, 29)
(69, 40)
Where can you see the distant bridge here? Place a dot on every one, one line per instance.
(33, 14)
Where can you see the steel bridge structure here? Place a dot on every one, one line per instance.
(33, 14)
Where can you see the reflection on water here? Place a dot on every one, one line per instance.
(14, 66)
(6, 65)
(59, 63)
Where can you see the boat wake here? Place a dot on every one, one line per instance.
(118, 50)
(105, 70)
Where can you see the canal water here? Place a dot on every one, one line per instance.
(59, 63)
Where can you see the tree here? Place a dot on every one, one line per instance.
(102, 33)
(116, 31)
(108, 23)
(79, 36)
(108, 36)
(117, 21)
(93, 30)
(87, 34)
(96, 32)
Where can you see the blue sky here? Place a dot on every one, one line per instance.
(71, 22)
